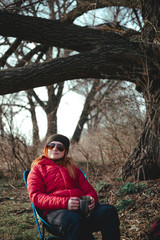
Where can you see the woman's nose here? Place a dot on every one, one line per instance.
(55, 147)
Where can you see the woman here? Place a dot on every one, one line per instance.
(55, 184)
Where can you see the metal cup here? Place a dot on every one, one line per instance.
(84, 203)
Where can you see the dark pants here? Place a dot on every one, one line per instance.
(73, 226)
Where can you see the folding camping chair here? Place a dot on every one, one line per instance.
(45, 225)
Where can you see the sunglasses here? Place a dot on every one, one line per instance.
(59, 146)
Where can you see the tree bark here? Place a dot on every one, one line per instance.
(1, 122)
(144, 162)
(101, 63)
(52, 107)
(52, 32)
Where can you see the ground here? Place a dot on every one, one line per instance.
(137, 203)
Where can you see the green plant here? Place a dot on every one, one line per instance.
(118, 179)
(124, 204)
(149, 192)
(130, 188)
(142, 185)
(102, 186)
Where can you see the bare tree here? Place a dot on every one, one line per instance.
(114, 52)
(33, 54)
(50, 107)
(86, 111)
(36, 137)
(97, 90)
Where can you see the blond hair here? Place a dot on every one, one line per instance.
(68, 162)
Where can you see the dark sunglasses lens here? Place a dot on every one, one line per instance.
(60, 147)
(50, 145)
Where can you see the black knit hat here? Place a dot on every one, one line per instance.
(59, 138)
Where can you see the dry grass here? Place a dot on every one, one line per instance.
(142, 205)
(138, 208)
(101, 157)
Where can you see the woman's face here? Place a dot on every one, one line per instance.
(55, 150)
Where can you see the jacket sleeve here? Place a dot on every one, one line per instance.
(38, 196)
(86, 187)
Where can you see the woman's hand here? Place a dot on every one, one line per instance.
(92, 204)
(73, 204)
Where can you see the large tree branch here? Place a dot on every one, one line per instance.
(54, 33)
(106, 62)
(106, 54)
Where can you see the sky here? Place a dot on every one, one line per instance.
(69, 113)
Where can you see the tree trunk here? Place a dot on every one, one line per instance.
(144, 162)
(1, 123)
(54, 98)
(52, 122)
(35, 136)
(85, 113)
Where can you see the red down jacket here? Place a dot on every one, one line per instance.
(50, 186)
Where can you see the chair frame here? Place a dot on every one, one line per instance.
(41, 231)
